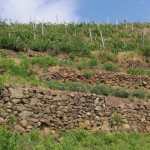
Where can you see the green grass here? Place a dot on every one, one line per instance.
(138, 71)
(100, 89)
(77, 140)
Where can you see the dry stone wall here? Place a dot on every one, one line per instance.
(110, 78)
(27, 108)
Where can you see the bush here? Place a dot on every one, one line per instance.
(93, 62)
(56, 85)
(101, 89)
(44, 61)
(87, 74)
(76, 87)
(120, 92)
(146, 51)
(136, 71)
(139, 93)
(109, 66)
(8, 140)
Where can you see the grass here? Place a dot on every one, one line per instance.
(138, 71)
(100, 89)
(77, 140)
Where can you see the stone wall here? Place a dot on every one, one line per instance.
(27, 108)
(110, 78)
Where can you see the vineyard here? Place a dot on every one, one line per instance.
(75, 39)
(107, 60)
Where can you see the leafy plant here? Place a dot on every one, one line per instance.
(109, 66)
(120, 92)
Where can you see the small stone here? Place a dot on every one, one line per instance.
(87, 122)
(25, 114)
(98, 108)
(81, 125)
(24, 123)
(16, 92)
(148, 128)
(97, 118)
(16, 101)
(19, 128)
(143, 120)
(1, 121)
(144, 83)
(126, 127)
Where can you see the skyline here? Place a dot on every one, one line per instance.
(75, 10)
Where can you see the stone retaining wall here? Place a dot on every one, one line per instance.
(110, 78)
(27, 108)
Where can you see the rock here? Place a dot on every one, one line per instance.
(16, 93)
(87, 122)
(25, 114)
(126, 127)
(98, 108)
(82, 125)
(148, 128)
(1, 121)
(97, 118)
(19, 128)
(105, 126)
(143, 120)
(24, 123)
(16, 101)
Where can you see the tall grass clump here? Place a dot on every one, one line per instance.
(120, 92)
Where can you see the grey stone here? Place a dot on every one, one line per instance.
(19, 128)
(1, 121)
(16, 92)
(24, 123)
(25, 114)
(16, 101)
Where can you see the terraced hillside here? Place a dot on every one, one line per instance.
(92, 76)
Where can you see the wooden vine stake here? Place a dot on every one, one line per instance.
(90, 35)
(116, 24)
(132, 28)
(102, 39)
(143, 36)
(57, 19)
(126, 24)
(43, 29)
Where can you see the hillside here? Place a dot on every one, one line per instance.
(60, 77)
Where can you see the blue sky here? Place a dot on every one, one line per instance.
(133, 10)
(72, 10)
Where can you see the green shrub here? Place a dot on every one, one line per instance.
(1, 83)
(146, 51)
(136, 71)
(120, 92)
(76, 87)
(108, 66)
(139, 93)
(3, 54)
(8, 140)
(93, 62)
(56, 85)
(87, 74)
(101, 89)
(44, 61)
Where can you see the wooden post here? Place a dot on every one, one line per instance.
(43, 29)
(90, 35)
(75, 32)
(143, 36)
(132, 28)
(103, 44)
(116, 24)
(126, 24)
(34, 36)
(57, 19)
